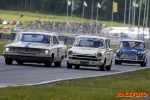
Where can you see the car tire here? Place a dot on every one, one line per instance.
(116, 62)
(69, 66)
(120, 63)
(8, 61)
(20, 62)
(48, 63)
(143, 63)
(102, 67)
(57, 64)
(109, 66)
(77, 66)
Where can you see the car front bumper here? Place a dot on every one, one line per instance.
(28, 58)
(128, 60)
(85, 62)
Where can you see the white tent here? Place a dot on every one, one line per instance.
(147, 37)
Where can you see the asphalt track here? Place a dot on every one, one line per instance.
(35, 74)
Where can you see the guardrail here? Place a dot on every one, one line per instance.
(69, 40)
(66, 39)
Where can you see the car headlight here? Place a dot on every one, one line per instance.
(46, 51)
(7, 49)
(99, 54)
(119, 52)
(140, 53)
(70, 52)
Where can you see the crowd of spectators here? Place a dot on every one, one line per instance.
(65, 27)
(61, 27)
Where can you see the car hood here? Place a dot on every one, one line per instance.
(130, 51)
(87, 50)
(29, 45)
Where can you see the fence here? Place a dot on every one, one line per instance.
(65, 39)
(70, 40)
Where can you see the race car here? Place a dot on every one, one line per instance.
(35, 47)
(91, 51)
(131, 51)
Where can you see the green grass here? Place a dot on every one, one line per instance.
(100, 88)
(1, 48)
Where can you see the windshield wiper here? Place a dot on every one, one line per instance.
(136, 45)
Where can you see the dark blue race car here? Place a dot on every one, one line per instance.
(131, 51)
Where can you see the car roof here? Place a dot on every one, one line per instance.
(44, 33)
(132, 40)
(91, 37)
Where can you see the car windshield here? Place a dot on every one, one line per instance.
(37, 38)
(131, 44)
(89, 42)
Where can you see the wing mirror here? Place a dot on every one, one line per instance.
(9, 42)
(70, 46)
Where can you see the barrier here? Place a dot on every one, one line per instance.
(68, 39)
(8, 36)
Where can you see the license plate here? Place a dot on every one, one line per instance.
(84, 62)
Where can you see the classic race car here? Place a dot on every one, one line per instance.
(91, 51)
(35, 47)
(131, 51)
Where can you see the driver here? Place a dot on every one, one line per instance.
(96, 43)
(126, 44)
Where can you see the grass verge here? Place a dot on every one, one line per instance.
(100, 88)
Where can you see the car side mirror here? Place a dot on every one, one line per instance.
(9, 42)
(117, 47)
(70, 46)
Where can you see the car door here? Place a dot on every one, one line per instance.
(107, 53)
(111, 54)
(56, 49)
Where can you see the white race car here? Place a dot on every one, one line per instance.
(92, 51)
(36, 47)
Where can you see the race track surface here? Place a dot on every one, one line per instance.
(33, 73)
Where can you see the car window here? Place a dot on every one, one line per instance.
(89, 42)
(55, 40)
(37, 38)
(131, 44)
(107, 44)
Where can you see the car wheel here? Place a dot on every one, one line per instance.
(116, 62)
(119, 62)
(48, 63)
(20, 62)
(69, 66)
(109, 66)
(143, 63)
(102, 67)
(57, 63)
(8, 61)
(77, 66)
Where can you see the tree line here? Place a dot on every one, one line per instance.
(59, 7)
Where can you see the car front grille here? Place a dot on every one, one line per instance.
(84, 57)
(30, 51)
(129, 56)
